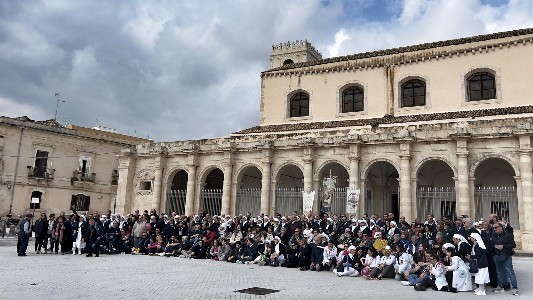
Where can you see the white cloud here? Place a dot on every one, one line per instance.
(340, 37)
(12, 108)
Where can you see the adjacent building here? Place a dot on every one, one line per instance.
(48, 167)
(439, 128)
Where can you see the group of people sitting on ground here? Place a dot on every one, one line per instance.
(441, 254)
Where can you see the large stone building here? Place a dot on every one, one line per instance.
(47, 167)
(441, 128)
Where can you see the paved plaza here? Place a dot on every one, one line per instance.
(150, 277)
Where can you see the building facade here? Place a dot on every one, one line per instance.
(47, 167)
(441, 128)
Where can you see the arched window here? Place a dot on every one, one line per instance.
(299, 105)
(353, 100)
(413, 93)
(288, 62)
(481, 86)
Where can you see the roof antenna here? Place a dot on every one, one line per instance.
(57, 105)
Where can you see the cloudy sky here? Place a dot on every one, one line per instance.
(176, 70)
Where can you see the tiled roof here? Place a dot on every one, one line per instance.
(390, 120)
(425, 46)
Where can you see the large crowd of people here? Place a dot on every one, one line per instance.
(438, 253)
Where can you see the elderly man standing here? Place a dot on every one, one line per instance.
(504, 245)
(24, 235)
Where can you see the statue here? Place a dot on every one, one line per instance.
(328, 186)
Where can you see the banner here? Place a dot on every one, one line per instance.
(352, 200)
(308, 199)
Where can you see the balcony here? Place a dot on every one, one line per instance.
(82, 180)
(114, 178)
(40, 173)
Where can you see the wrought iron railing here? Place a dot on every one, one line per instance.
(176, 201)
(438, 201)
(249, 200)
(289, 200)
(211, 201)
(500, 200)
(39, 173)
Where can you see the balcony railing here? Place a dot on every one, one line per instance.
(114, 178)
(39, 173)
(81, 176)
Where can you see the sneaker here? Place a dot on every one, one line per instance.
(406, 283)
(476, 290)
(515, 292)
(498, 290)
(480, 293)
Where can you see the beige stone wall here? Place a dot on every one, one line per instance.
(445, 81)
(64, 147)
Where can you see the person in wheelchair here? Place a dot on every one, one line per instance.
(113, 237)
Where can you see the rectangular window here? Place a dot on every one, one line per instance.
(41, 163)
(80, 202)
(35, 200)
(146, 185)
(85, 166)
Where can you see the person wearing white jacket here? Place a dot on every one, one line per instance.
(403, 263)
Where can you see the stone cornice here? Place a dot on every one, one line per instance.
(404, 55)
(451, 130)
(376, 122)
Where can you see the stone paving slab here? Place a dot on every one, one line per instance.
(122, 276)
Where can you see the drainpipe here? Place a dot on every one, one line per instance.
(16, 171)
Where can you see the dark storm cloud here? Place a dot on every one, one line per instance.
(190, 69)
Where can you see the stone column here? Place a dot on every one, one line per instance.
(265, 181)
(308, 173)
(158, 180)
(226, 192)
(405, 180)
(354, 166)
(191, 184)
(462, 193)
(126, 174)
(527, 182)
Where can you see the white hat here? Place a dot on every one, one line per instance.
(352, 247)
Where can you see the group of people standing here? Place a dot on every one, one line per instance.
(437, 253)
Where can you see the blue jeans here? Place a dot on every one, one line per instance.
(414, 279)
(505, 272)
(22, 244)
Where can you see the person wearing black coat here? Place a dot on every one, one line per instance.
(41, 229)
(504, 245)
(93, 238)
(292, 256)
(304, 255)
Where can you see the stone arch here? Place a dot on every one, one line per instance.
(316, 176)
(206, 170)
(421, 163)
(242, 170)
(280, 167)
(370, 163)
(172, 172)
(479, 161)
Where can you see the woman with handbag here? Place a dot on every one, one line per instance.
(479, 254)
